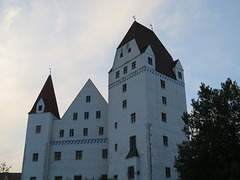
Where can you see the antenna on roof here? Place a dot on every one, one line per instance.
(50, 70)
(134, 17)
(151, 27)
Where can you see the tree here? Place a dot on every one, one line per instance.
(4, 168)
(212, 150)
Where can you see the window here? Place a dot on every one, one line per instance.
(125, 69)
(124, 87)
(164, 100)
(78, 155)
(104, 177)
(77, 177)
(179, 75)
(150, 61)
(129, 50)
(133, 117)
(132, 142)
(71, 132)
(134, 65)
(35, 157)
(131, 172)
(104, 153)
(33, 178)
(115, 177)
(124, 104)
(38, 129)
(85, 131)
(117, 74)
(101, 130)
(162, 84)
(75, 115)
(86, 115)
(57, 156)
(98, 114)
(115, 125)
(116, 147)
(165, 140)
(58, 177)
(40, 108)
(168, 172)
(61, 134)
(121, 55)
(164, 117)
(88, 98)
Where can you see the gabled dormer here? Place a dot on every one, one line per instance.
(46, 101)
(178, 71)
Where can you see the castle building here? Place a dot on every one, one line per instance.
(133, 136)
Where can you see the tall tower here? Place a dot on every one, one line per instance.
(37, 144)
(146, 102)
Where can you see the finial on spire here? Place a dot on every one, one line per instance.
(134, 17)
(50, 71)
(151, 27)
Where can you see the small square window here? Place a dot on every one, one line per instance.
(57, 156)
(77, 177)
(38, 129)
(168, 172)
(124, 104)
(116, 147)
(129, 50)
(35, 157)
(121, 55)
(61, 133)
(134, 65)
(101, 130)
(150, 61)
(98, 114)
(115, 125)
(115, 177)
(33, 178)
(165, 140)
(162, 84)
(58, 178)
(75, 115)
(85, 131)
(124, 87)
(71, 132)
(131, 172)
(179, 75)
(78, 155)
(132, 142)
(125, 70)
(164, 100)
(39, 108)
(86, 115)
(104, 177)
(164, 117)
(133, 117)
(117, 74)
(104, 153)
(88, 98)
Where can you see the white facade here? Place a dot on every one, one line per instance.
(133, 136)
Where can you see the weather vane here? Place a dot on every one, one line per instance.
(134, 17)
(50, 70)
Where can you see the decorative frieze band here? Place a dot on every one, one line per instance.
(83, 141)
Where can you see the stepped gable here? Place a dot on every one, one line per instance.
(48, 96)
(144, 37)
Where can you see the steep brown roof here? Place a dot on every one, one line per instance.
(145, 37)
(10, 176)
(48, 95)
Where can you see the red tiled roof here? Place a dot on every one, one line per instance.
(144, 37)
(48, 95)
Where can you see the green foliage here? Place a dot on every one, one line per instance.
(213, 131)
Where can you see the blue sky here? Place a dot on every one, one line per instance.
(77, 39)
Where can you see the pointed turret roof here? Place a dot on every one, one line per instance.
(47, 94)
(145, 37)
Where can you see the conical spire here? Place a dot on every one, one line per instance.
(47, 94)
(145, 37)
